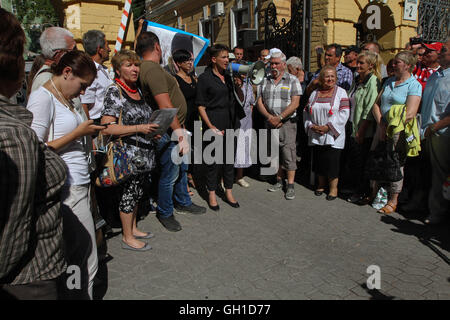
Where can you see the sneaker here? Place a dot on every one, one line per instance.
(169, 223)
(193, 209)
(243, 183)
(290, 193)
(276, 187)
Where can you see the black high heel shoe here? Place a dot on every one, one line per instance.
(233, 204)
(214, 208)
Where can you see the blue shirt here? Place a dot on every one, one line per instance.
(436, 101)
(344, 77)
(393, 94)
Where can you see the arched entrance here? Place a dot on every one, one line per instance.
(376, 23)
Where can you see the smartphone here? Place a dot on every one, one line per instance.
(319, 50)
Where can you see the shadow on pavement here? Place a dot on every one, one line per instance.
(430, 236)
(376, 294)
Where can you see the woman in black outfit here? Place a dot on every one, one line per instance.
(217, 107)
(188, 85)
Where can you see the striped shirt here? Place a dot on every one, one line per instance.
(31, 243)
(277, 97)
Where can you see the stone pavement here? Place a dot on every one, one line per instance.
(271, 248)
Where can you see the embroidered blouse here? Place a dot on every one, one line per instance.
(333, 111)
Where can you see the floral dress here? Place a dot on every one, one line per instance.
(134, 112)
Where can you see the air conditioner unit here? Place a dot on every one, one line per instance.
(246, 37)
(217, 9)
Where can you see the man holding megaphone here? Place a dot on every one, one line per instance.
(277, 99)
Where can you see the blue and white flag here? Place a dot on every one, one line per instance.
(172, 39)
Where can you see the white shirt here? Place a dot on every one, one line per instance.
(95, 93)
(320, 112)
(46, 107)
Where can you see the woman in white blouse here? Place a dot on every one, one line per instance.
(60, 126)
(325, 117)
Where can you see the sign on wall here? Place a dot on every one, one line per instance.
(410, 12)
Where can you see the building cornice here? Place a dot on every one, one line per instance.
(158, 10)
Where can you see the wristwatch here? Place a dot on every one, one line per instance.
(281, 117)
(432, 129)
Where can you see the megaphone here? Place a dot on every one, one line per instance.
(255, 72)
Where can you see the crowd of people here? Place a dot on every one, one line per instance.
(333, 120)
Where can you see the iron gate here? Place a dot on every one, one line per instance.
(434, 19)
(293, 37)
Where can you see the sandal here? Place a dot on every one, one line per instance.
(388, 209)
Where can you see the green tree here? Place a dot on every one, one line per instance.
(35, 16)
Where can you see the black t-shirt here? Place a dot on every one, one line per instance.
(189, 91)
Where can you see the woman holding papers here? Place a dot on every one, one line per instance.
(126, 114)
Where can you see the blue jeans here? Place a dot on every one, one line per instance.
(173, 181)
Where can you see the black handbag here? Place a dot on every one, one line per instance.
(383, 164)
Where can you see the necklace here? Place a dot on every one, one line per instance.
(123, 85)
(64, 101)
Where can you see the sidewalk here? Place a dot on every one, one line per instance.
(271, 248)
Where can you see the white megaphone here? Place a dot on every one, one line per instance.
(255, 72)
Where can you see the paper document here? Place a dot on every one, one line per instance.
(163, 118)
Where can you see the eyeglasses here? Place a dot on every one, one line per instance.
(188, 61)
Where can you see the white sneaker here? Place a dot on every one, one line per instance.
(243, 183)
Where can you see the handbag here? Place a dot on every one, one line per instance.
(115, 166)
(383, 164)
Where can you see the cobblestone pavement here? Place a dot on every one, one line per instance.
(271, 248)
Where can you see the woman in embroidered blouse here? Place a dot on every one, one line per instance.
(325, 117)
(401, 89)
(125, 98)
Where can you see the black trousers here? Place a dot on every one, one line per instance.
(217, 170)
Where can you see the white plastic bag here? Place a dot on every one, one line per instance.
(381, 199)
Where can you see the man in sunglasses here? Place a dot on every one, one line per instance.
(429, 62)
(55, 42)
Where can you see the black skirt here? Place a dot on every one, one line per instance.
(326, 161)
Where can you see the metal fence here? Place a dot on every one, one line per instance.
(434, 19)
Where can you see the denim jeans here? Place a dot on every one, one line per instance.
(173, 181)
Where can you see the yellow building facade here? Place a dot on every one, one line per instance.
(104, 15)
(234, 22)
(330, 21)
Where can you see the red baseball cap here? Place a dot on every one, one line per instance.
(435, 46)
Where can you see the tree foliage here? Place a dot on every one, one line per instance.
(35, 16)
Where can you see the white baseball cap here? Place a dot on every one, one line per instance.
(272, 51)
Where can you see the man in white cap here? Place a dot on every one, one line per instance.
(277, 100)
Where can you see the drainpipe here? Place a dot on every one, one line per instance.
(256, 18)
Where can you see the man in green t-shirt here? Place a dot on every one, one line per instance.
(161, 91)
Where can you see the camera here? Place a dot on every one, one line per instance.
(414, 40)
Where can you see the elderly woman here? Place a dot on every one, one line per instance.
(295, 67)
(324, 119)
(125, 100)
(402, 89)
(362, 97)
(244, 142)
(58, 124)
